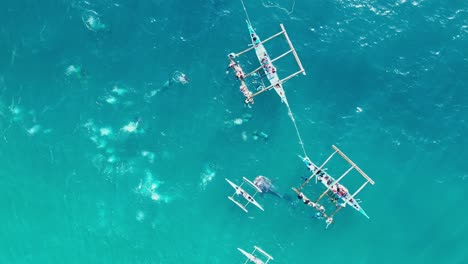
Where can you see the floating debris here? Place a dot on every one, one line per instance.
(358, 109)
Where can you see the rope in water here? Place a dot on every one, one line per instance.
(245, 10)
(297, 129)
(286, 102)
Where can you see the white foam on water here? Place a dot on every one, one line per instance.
(206, 177)
(238, 121)
(33, 130)
(111, 99)
(72, 70)
(112, 159)
(118, 90)
(140, 216)
(244, 136)
(130, 127)
(148, 155)
(148, 188)
(92, 21)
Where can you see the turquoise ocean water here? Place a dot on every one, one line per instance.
(106, 157)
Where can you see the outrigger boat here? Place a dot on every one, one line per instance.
(246, 195)
(266, 63)
(338, 190)
(252, 258)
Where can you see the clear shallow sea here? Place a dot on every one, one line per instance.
(386, 82)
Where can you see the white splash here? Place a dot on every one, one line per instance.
(72, 70)
(207, 176)
(111, 99)
(105, 131)
(149, 186)
(119, 91)
(112, 159)
(130, 127)
(148, 154)
(180, 77)
(140, 216)
(238, 121)
(33, 130)
(358, 109)
(91, 20)
(244, 135)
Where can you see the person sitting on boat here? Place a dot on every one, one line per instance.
(273, 70)
(232, 64)
(240, 75)
(342, 191)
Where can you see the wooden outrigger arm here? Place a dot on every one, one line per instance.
(355, 166)
(333, 183)
(261, 42)
(278, 83)
(273, 60)
(293, 50)
(318, 170)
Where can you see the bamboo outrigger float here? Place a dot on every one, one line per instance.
(243, 193)
(251, 257)
(338, 191)
(266, 63)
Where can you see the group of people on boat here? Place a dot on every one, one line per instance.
(247, 93)
(239, 191)
(240, 76)
(237, 68)
(267, 66)
(337, 189)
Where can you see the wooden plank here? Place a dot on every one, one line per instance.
(279, 82)
(292, 48)
(356, 192)
(352, 163)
